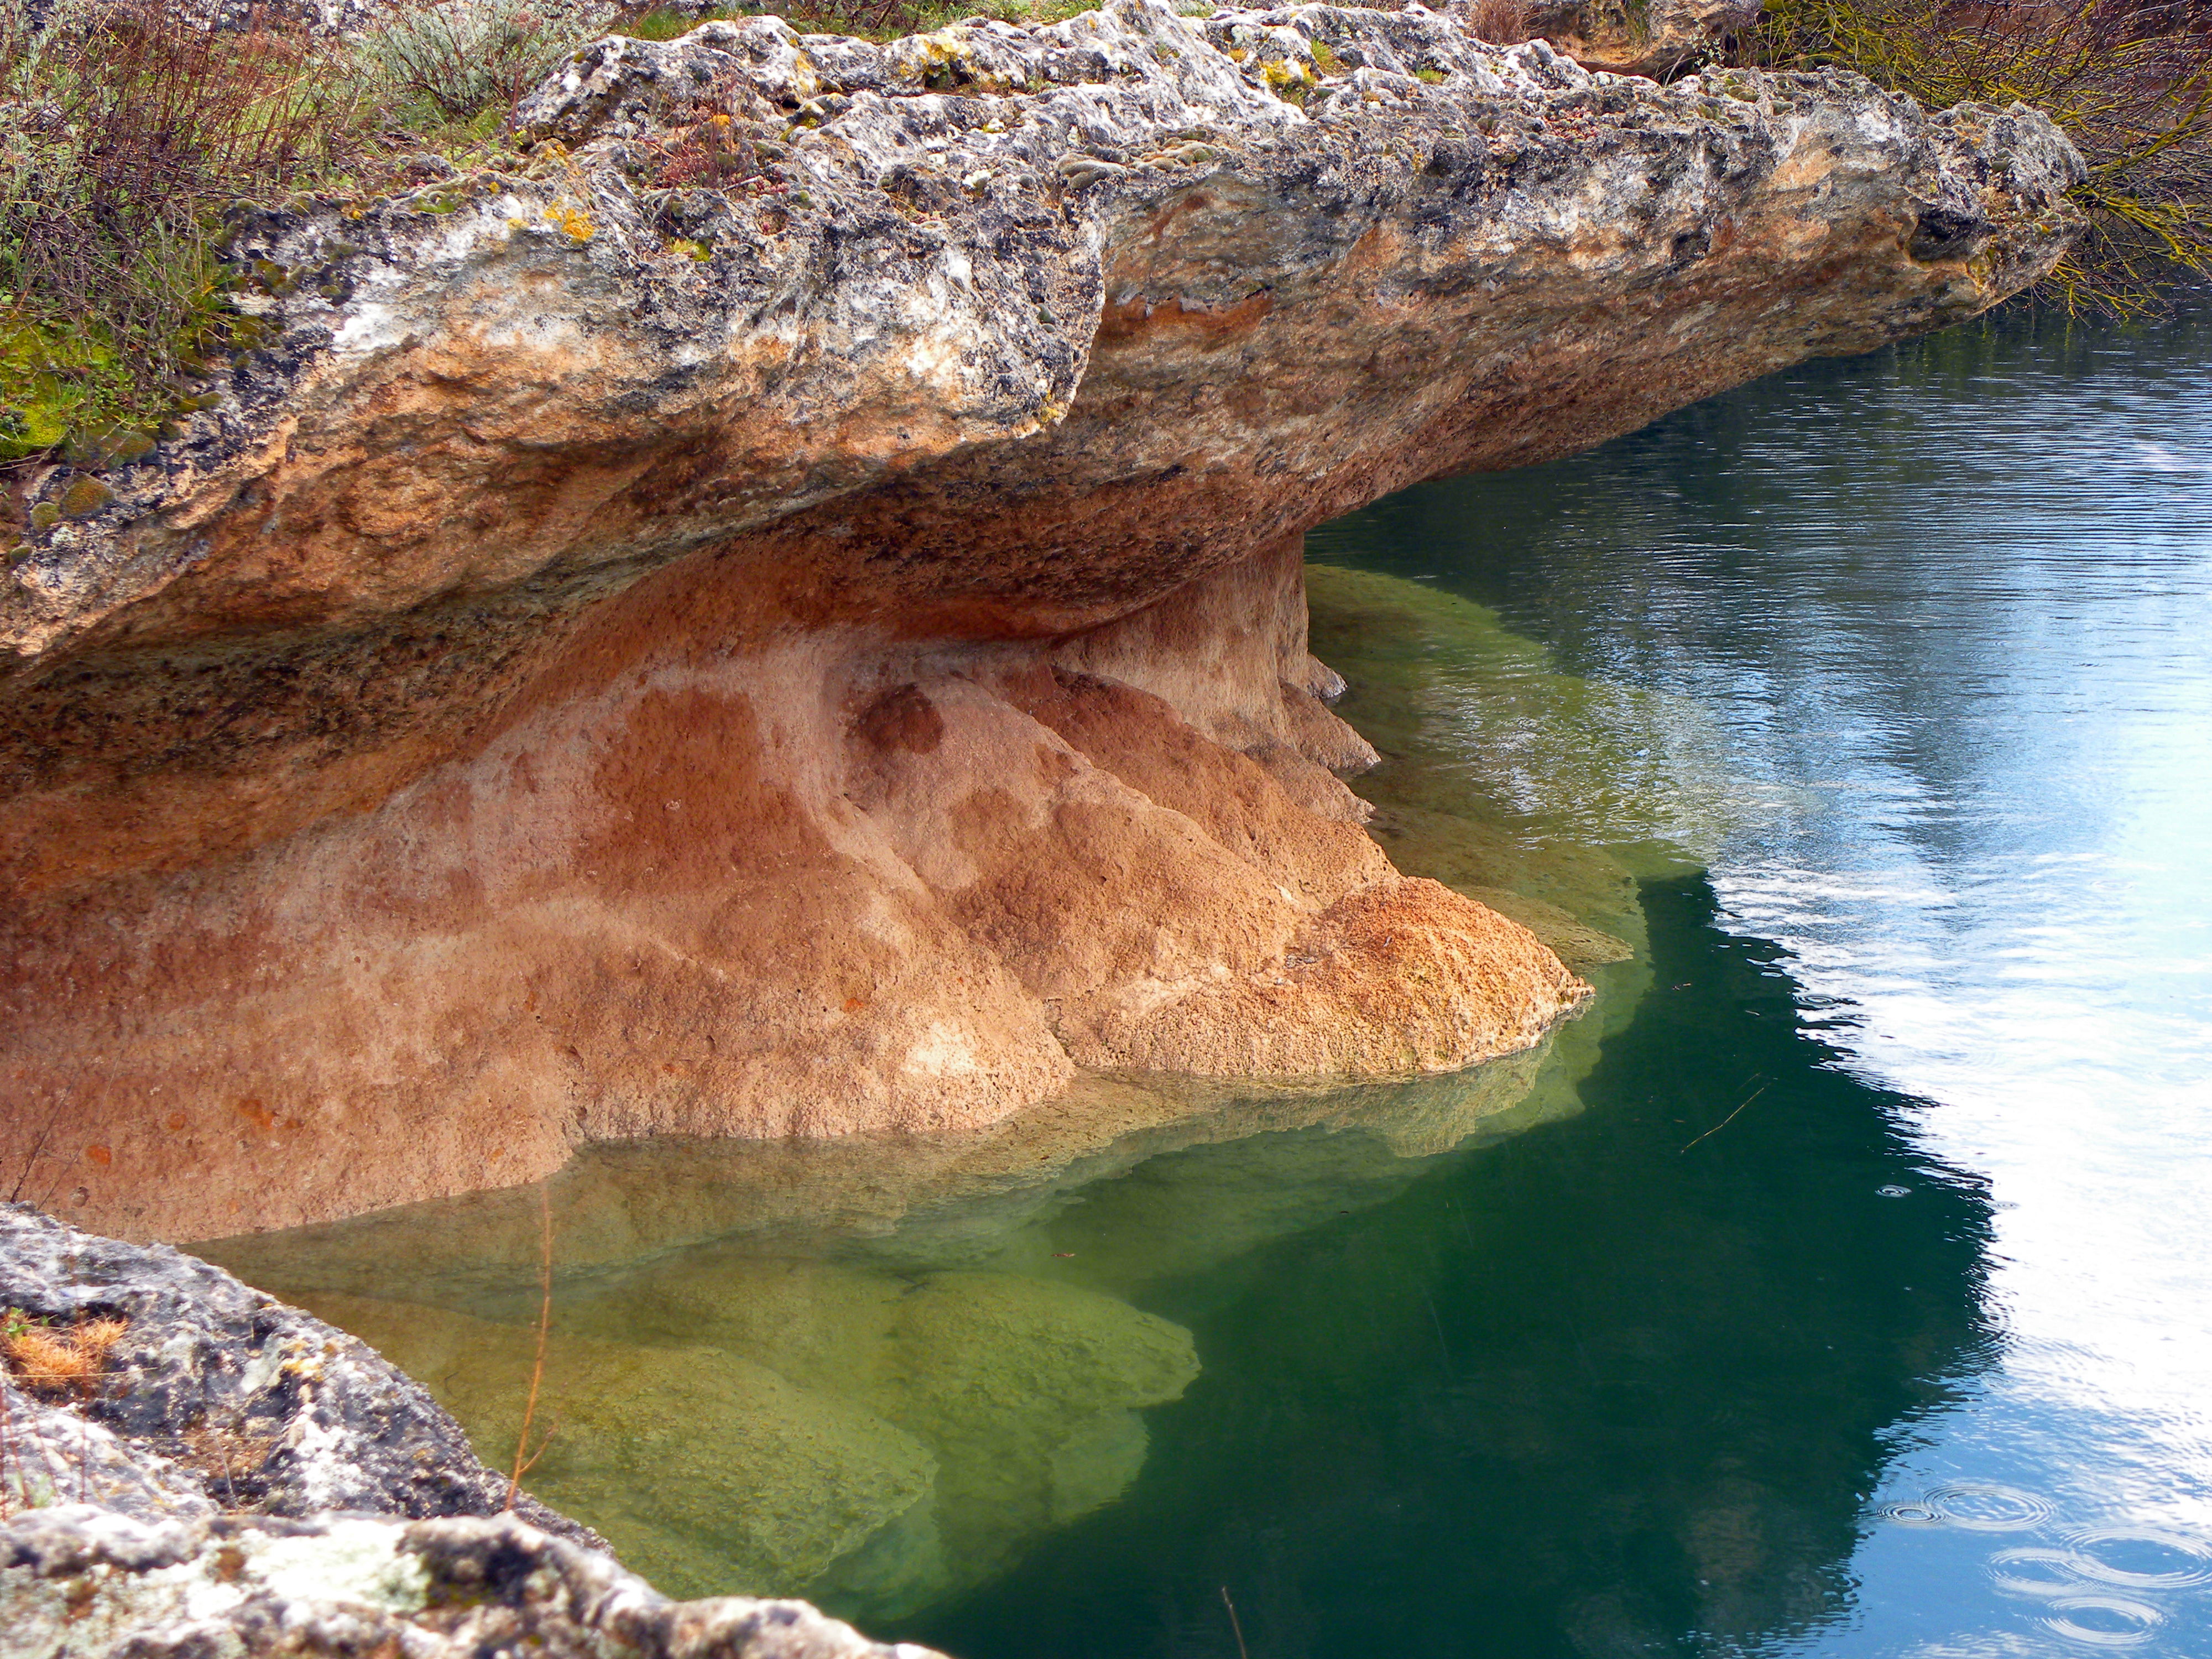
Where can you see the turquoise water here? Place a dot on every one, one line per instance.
(1838, 1285)
(1913, 1356)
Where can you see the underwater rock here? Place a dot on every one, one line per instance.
(1027, 1391)
(232, 1469)
(81, 1582)
(732, 1422)
(707, 1470)
(782, 614)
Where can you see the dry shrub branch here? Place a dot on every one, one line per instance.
(128, 132)
(2129, 81)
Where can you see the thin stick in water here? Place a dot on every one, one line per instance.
(1732, 1116)
(522, 1458)
(1235, 1629)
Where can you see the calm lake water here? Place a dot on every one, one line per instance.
(1841, 1284)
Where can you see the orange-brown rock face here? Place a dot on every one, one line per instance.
(828, 652)
(1635, 37)
(836, 883)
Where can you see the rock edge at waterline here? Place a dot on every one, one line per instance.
(241, 1478)
(217, 1398)
(786, 616)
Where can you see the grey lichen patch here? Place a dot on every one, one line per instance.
(111, 1546)
(350, 1561)
(79, 1582)
(217, 1398)
(927, 222)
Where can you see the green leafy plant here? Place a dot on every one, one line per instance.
(2128, 80)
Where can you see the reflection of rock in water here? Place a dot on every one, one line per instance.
(617, 1205)
(772, 1426)
(884, 1431)
(888, 1429)
(1541, 768)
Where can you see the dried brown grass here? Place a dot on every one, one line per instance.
(1501, 22)
(48, 1358)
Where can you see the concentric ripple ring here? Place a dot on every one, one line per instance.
(2088, 1548)
(2065, 1578)
(2140, 1621)
(1986, 1506)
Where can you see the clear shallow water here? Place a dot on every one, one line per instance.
(1837, 1286)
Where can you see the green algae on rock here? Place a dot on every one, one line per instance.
(739, 1424)
(709, 1472)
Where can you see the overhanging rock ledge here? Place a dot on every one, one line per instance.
(786, 616)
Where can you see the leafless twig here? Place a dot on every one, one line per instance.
(524, 1459)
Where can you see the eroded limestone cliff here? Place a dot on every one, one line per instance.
(787, 617)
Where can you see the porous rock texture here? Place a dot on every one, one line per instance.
(219, 1398)
(785, 615)
(82, 1582)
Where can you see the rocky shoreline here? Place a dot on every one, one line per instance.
(784, 615)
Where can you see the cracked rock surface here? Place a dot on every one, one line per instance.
(218, 1398)
(784, 615)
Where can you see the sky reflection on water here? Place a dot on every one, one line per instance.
(1951, 607)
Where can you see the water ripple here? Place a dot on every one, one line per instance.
(2103, 1621)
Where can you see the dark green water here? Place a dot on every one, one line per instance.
(1584, 1393)
(1837, 1286)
